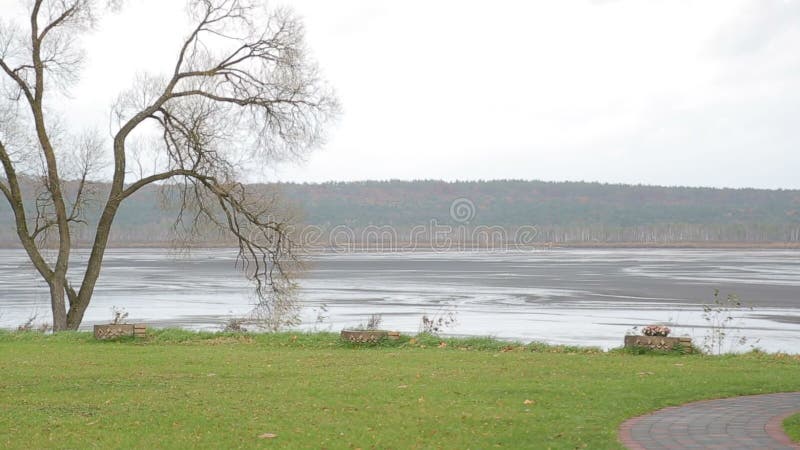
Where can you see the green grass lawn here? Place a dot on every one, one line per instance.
(792, 427)
(178, 389)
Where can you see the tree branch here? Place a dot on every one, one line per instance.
(157, 177)
(67, 14)
(17, 79)
(14, 195)
(6, 192)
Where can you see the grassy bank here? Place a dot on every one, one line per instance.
(792, 427)
(180, 389)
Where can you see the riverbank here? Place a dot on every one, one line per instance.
(181, 389)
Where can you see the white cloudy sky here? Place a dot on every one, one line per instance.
(657, 92)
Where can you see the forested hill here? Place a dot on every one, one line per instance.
(541, 203)
(560, 211)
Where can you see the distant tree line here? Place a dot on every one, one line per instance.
(560, 212)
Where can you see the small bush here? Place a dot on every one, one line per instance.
(118, 316)
(373, 323)
(234, 325)
(437, 323)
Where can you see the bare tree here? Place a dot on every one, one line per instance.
(242, 89)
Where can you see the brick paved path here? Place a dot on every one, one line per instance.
(749, 422)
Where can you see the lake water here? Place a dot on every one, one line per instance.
(564, 296)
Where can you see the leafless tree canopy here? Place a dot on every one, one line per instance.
(242, 91)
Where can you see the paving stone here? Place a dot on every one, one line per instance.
(748, 422)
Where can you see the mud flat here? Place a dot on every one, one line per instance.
(570, 296)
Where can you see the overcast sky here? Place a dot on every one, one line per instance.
(703, 93)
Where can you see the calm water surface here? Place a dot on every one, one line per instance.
(585, 297)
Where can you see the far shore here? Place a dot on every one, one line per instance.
(428, 246)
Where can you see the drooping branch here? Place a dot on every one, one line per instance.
(266, 249)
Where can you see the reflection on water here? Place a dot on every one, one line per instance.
(586, 297)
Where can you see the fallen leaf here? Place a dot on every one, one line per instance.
(528, 402)
(402, 386)
(267, 436)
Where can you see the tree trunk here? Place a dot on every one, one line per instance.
(75, 314)
(58, 305)
(80, 303)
